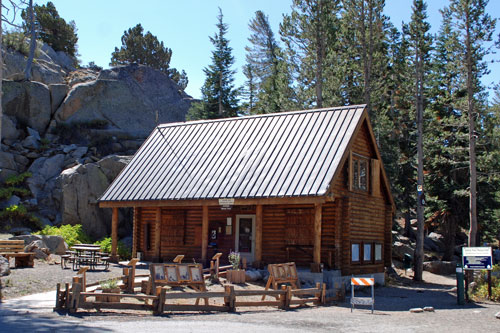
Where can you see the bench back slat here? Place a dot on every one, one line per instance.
(11, 245)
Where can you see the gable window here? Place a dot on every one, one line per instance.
(359, 173)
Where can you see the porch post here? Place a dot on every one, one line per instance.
(204, 233)
(157, 234)
(317, 233)
(134, 232)
(114, 234)
(258, 234)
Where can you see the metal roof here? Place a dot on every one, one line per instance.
(273, 155)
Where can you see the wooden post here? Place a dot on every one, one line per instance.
(58, 297)
(204, 233)
(258, 234)
(317, 233)
(114, 235)
(135, 234)
(157, 235)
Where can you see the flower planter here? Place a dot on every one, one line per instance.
(236, 276)
(115, 299)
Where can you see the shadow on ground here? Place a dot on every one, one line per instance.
(14, 321)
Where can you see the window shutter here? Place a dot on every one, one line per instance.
(375, 177)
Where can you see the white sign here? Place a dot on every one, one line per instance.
(476, 251)
(226, 202)
(477, 258)
(420, 188)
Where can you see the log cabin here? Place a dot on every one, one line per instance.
(303, 186)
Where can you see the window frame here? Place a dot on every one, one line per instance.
(359, 261)
(375, 252)
(356, 176)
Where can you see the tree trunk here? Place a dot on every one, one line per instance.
(320, 54)
(472, 136)
(419, 250)
(449, 233)
(1, 75)
(27, 71)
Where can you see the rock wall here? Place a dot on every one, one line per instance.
(47, 130)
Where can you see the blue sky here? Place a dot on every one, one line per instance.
(184, 26)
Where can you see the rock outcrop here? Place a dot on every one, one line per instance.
(81, 186)
(131, 98)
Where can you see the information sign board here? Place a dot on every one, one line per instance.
(477, 258)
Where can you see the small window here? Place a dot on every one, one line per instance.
(378, 252)
(355, 255)
(360, 173)
(367, 252)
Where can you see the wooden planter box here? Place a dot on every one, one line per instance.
(236, 276)
(114, 299)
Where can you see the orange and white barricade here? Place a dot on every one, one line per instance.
(362, 282)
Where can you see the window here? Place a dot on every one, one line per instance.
(355, 257)
(360, 173)
(378, 252)
(367, 252)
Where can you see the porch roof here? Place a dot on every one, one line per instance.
(292, 154)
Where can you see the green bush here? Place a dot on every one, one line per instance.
(18, 215)
(72, 234)
(122, 250)
(109, 284)
(481, 291)
(17, 180)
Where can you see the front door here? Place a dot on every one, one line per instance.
(245, 236)
(220, 239)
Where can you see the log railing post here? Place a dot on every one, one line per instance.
(114, 235)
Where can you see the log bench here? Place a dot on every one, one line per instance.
(15, 249)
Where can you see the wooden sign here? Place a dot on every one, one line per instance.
(282, 273)
(177, 274)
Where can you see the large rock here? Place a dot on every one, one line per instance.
(4, 267)
(57, 94)
(440, 267)
(81, 186)
(29, 102)
(9, 129)
(55, 244)
(399, 250)
(128, 98)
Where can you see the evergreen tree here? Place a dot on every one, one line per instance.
(309, 34)
(269, 76)
(219, 96)
(53, 29)
(420, 45)
(249, 91)
(474, 27)
(146, 49)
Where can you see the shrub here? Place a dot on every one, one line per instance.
(122, 250)
(481, 291)
(17, 180)
(72, 234)
(109, 284)
(234, 259)
(18, 215)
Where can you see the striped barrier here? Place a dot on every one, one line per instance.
(362, 282)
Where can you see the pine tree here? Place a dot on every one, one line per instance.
(219, 96)
(53, 29)
(475, 27)
(309, 34)
(420, 45)
(145, 49)
(262, 69)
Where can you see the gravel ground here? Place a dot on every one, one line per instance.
(392, 304)
(45, 275)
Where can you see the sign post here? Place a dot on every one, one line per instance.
(478, 258)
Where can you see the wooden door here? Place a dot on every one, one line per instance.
(220, 239)
(245, 236)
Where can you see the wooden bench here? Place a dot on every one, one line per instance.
(15, 249)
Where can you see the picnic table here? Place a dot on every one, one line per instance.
(88, 255)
